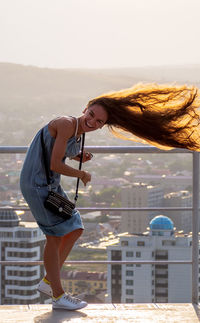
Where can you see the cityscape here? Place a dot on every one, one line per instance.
(115, 235)
(118, 181)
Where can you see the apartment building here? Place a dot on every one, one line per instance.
(167, 182)
(139, 195)
(93, 285)
(140, 283)
(182, 219)
(20, 242)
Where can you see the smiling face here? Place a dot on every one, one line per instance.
(93, 118)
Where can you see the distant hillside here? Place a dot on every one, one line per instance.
(30, 96)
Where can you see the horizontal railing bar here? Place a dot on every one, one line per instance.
(104, 149)
(88, 209)
(98, 262)
(13, 149)
(134, 149)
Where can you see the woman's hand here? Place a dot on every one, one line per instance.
(86, 156)
(86, 177)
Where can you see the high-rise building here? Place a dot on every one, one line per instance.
(139, 195)
(141, 283)
(20, 242)
(182, 219)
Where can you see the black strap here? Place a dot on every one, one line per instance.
(80, 164)
(46, 164)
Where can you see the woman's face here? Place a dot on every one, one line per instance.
(93, 118)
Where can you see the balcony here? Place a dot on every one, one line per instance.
(161, 267)
(161, 257)
(121, 312)
(161, 276)
(161, 285)
(159, 294)
(98, 313)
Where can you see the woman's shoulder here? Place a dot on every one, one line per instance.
(64, 125)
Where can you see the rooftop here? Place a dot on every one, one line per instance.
(98, 313)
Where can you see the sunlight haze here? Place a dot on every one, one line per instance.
(99, 33)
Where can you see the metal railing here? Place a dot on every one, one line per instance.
(195, 209)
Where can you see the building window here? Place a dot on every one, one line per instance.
(168, 243)
(23, 234)
(138, 254)
(129, 254)
(124, 243)
(129, 300)
(138, 265)
(116, 255)
(6, 234)
(141, 243)
(22, 254)
(129, 273)
(129, 282)
(129, 291)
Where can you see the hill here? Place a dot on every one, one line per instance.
(31, 96)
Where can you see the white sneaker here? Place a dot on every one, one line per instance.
(45, 288)
(68, 302)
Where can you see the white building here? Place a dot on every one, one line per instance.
(25, 242)
(151, 283)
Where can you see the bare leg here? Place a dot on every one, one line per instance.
(52, 264)
(55, 253)
(67, 243)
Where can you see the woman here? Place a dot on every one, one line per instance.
(166, 116)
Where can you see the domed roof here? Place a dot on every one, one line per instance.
(8, 218)
(161, 222)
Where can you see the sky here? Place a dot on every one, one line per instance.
(99, 33)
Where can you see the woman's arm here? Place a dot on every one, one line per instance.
(64, 128)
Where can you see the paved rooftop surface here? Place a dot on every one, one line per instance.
(100, 313)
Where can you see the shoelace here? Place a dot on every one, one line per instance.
(72, 299)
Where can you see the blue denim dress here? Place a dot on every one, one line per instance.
(34, 187)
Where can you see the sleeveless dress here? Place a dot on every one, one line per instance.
(34, 186)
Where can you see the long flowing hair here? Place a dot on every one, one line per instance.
(164, 115)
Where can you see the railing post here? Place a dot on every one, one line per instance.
(195, 229)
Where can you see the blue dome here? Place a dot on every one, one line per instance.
(161, 222)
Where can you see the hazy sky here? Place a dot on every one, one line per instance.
(99, 33)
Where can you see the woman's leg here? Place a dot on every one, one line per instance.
(67, 243)
(55, 252)
(52, 263)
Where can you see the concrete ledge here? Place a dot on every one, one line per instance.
(100, 313)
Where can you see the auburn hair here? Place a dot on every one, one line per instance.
(164, 115)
